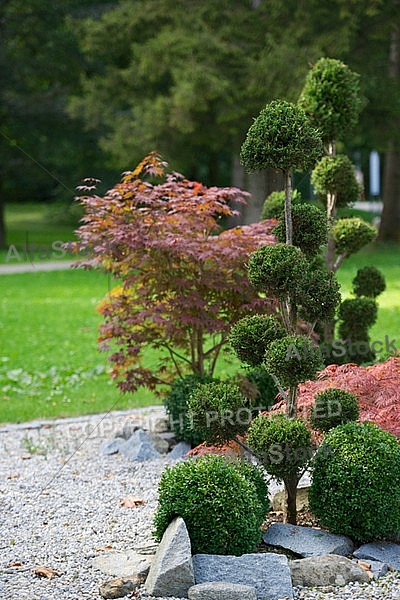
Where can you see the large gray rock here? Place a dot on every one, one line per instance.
(222, 590)
(123, 564)
(171, 573)
(386, 552)
(329, 569)
(112, 446)
(307, 541)
(179, 451)
(139, 447)
(269, 573)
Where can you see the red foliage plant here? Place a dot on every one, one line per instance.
(184, 278)
(377, 388)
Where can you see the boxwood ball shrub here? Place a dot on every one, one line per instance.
(318, 294)
(335, 175)
(219, 411)
(355, 487)
(333, 407)
(251, 336)
(352, 234)
(274, 204)
(218, 502)
(176, 406)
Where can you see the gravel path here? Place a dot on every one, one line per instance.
(60, 507)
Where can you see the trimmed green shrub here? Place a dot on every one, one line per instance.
(318, 295)
(310, 228)
(355, 487)
(293, 360)
(333, 407)
(176, 406)
(251, 336)
(274, 204)
(331, 97)
(276, 269)
(335, 175)
(356, 314)
(257, 475)
(369, 282)
(283, 445)
(350, 235)
(218, 502)
(281, 137)
(219, 411)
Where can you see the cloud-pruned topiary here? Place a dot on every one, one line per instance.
(318, 295)
(355, 487)
(251, 336)
(293, 359)
(333, 407)
(281, 137)
(310, 228)
(331, 98)
(358, 313)
(350, 235)
(369, 282)
(275, 270)
(217, 500)
(335, 175)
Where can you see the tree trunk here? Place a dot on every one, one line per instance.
(291, 482)
(389, 230)
(291, 403)
(288, 208)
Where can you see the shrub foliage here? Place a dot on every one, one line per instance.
(333, 407)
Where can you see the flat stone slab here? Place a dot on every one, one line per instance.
(222, 590)
(329, 569)
(307, 541)
(268, 573)
(123, 564)
(386, 552)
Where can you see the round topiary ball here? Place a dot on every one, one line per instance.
(369, 282)
(352, 234)
(318, 295)
(283, 445)
(219, 411)
(274, 204)
(293, 360)
(360, 313)
(251, 336)
(176, 406)
(310, 228)
(276, 269)
(355, 487)
(333, 407)
(218, 503)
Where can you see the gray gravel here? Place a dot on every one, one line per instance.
(60, 507)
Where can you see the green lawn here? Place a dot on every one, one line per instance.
(49, 362)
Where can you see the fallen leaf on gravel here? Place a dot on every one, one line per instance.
(15, 564)
(45, 572)
(131, 502)
(13, 476)
(104, 549)
(26, 457)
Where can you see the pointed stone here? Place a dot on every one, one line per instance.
(171, 573)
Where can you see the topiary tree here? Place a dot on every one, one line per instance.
(369, 282)
(282, 137)
(335, 182)
(274, 204)
(333, 407)
(251, 336)
(310, 228)
(221, 502)
(355, 487)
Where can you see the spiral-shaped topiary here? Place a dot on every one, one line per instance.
(310, 228)
(251, 336)
(275, 270)
(369, 282)
(355, 487)
(333, 407)
(293, 360)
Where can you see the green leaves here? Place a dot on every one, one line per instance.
(352, 234)
(281, 137)
(252, 335)
(336, 175)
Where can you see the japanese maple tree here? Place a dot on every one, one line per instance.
(183, 278)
